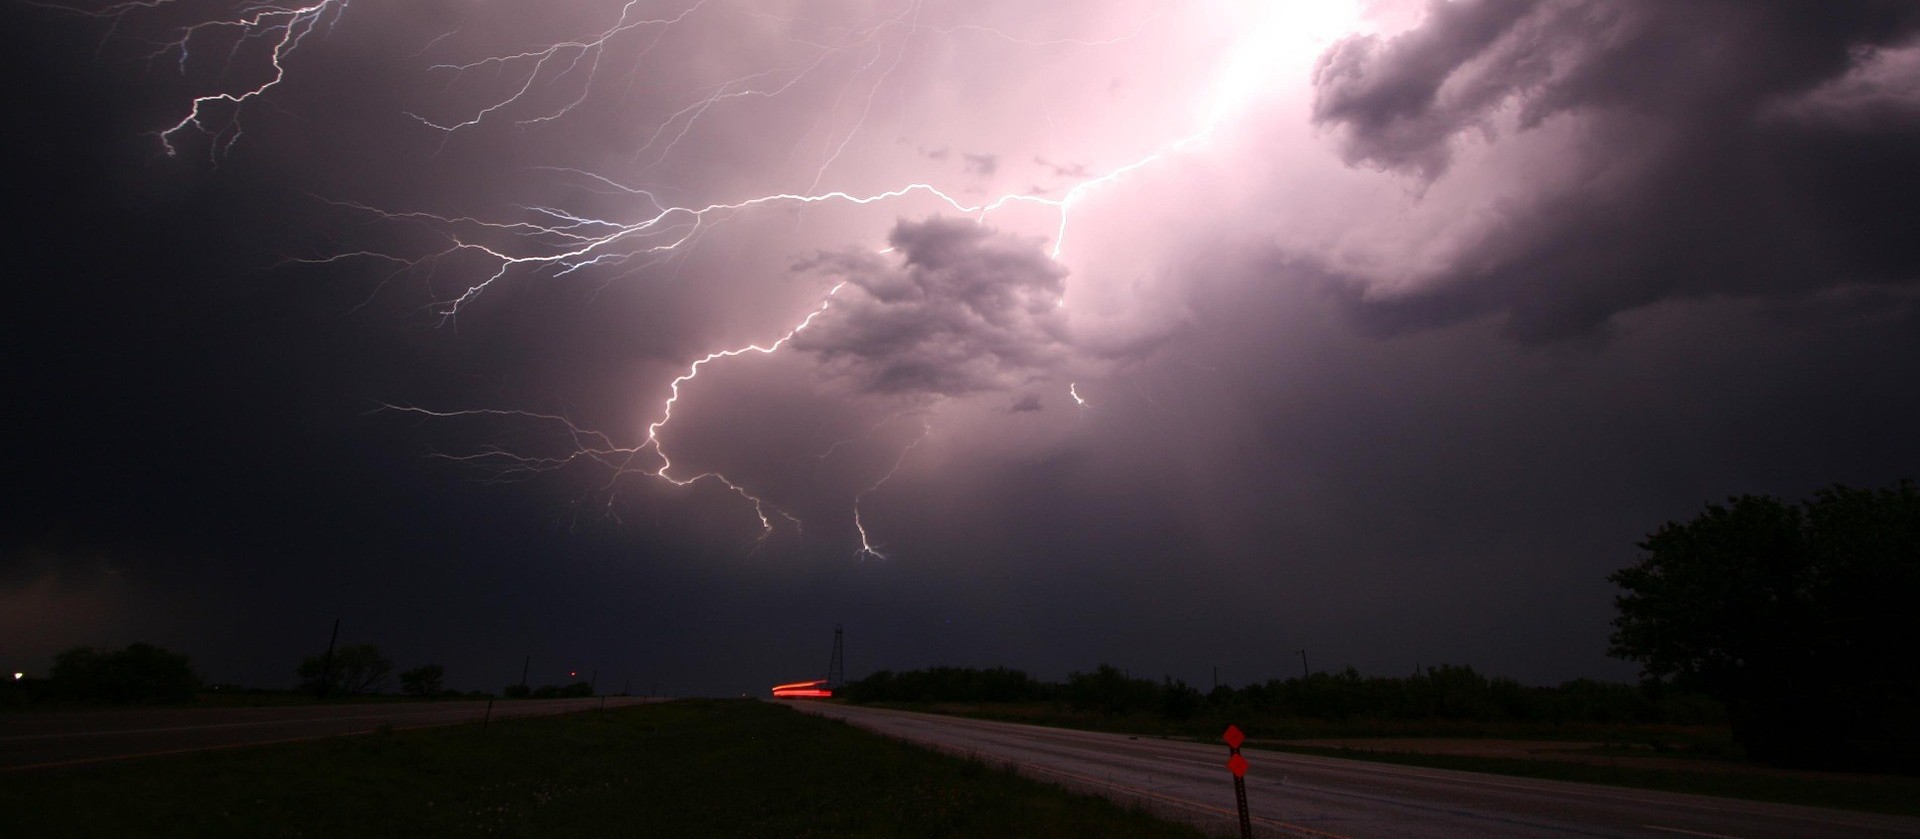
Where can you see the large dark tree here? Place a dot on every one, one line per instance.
(355, 668)
(1800, 617)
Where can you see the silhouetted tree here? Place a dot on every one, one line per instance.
(1177, 700)
(1798, 617)
(139, 673)
(1109, 689)
(425, 680)
(357, 668)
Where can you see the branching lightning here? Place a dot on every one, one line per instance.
(282, 27)
(554, 241)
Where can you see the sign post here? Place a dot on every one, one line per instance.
(1238, 766)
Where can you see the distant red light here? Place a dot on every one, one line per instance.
(809, 689)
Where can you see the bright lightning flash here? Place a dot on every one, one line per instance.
(1273, 38)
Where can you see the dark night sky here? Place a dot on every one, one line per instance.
(1409, 322)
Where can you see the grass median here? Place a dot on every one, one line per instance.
(1893, 794)
(691, 768)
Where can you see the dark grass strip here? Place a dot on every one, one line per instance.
(1894, 794)
(690, 768)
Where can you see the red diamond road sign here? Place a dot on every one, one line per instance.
(1238, 765)
(1233, 737)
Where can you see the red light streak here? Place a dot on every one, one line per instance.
(811, 689)
(814, 683)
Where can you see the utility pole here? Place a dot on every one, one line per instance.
(1303, 664)
(1216, 677)
(523, 669)
(837, 665)
(326, 668)
(593, 684)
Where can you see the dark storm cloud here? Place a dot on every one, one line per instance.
(1719, 148)
(962, 309)
(195, 438)
(1388, 92)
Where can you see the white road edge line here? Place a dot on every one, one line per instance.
(1689, 832)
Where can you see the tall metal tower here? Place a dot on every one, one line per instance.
(836, 668)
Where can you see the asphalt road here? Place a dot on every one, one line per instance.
(1298, 795)
(31, 740)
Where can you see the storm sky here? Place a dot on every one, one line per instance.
(657, 338)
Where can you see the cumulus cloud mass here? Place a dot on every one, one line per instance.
(952, 310)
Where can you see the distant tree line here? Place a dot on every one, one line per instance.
(138, 674)
(548, 691)
(1438, 693)
(144, 674)
(357, 669)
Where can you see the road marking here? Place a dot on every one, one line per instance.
(1689, 832)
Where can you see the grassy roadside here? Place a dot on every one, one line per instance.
(233, 699)
(689, 768)
(1894, 794)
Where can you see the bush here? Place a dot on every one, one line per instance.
(141, 673)
(423, 681)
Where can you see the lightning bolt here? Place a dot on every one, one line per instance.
(282, 27)
(566, 55)
(867, 548)
(555, 241)
(693, 370)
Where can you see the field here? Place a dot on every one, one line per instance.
(688, 768)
